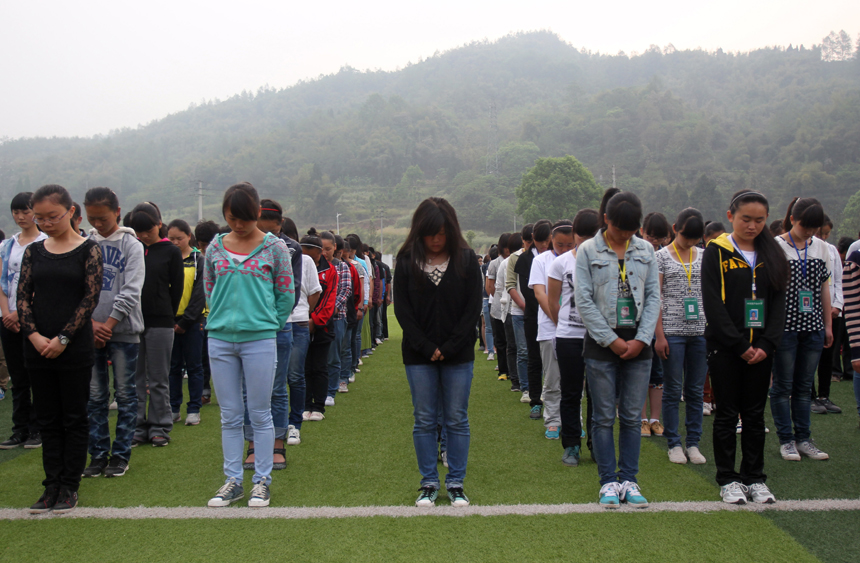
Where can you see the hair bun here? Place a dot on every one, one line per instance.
(312, 232)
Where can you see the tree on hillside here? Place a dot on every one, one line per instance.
(409, 182)
(314, 194)
(850, 224)
(556, 188)
(705, 197)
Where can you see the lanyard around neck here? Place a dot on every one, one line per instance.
(621, 269)
(752, 266)
(686, 271)
(805, 253)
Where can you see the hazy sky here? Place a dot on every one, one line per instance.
(86, 67)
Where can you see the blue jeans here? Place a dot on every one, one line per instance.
(630, 378)
(522, 350)
(685, 370)
(346, 354)
(334, 352)
(252, 363)
(451, 383)
(187, 351)
(296, 373)
(279, 388)
(794, 365)
(356, 344)
(488, 325)
(123, 355)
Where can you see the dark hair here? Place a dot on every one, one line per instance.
(346, 246)
(541, 230)
(494, 252)
(807, 210)
(22, 201)
(843, 244)
(289, 229)
(75, 215)
(827, 221)
(126, 220)
(714, 227)
(765, 245)
(225, 229)
(355, 243)
(312, 238)
(102, 196)
(656, 225)
(242, 201)
(2, 235)
(271, 210)
(690, 223)
(432, 215)
(325, 235)
(527, 232)
(205, 231)
(776, 228)
(563, 227)
(515, 242)
(586, 223)
(338, 242)
(623, 209)
(144, 217)
(57, 194)
(503, 241)
(182, 225)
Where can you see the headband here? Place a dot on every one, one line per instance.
(746, 194)
(311, 245)
(562, 227)
(269, 209)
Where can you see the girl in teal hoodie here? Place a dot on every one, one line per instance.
(248, 280)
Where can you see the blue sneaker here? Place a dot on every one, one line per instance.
(631, 495)
(583, 433)
(609, 496)
(428, 496)
(2, 393)
(571, 456)
(552, 433)
(534, 414)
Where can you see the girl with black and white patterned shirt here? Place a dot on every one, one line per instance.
(807, 329)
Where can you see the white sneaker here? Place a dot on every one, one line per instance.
(706, 409)
(491, 357)
(696, 457)
(360, 362)
(112, 406)
(329, 402)
(445, 459)
(193, 419)
(177, 417)
(294, 436)
(486, 351)
(739, 428)
(316, 416)
(676, 455)
(759, 493)
(789, 451)
(352, 378)
(525, 398)
(260, 495)
(306, 415)
(809, 449)
(342, 387)
(734, 493)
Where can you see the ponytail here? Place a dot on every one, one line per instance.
(807, 210)
(776, 266)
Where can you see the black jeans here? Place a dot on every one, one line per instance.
(24, 420)
(571, 367)
(501, 343)
(316, 375)
(739, 388)
(841, 351)
(511, 351)
(535, 364)
(384, 320)
(60, 398)
(207, 371)
(825, 369)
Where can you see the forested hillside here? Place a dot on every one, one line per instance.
(680, 127)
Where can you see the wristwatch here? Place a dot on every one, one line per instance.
(64, 340)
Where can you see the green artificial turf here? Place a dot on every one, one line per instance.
(832, 536)
(636, 538)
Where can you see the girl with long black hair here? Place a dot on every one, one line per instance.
(744, 276)
(437, 300)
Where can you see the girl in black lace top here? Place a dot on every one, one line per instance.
(61, 280)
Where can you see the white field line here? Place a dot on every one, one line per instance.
(184, 513)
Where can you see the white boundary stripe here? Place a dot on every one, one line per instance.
(181, 513)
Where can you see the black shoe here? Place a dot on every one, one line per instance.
(246, 465)
(96, 467)
(13, 442)
(160, 441)
(33, 442)
(66, 502)
(825, 402)
(817, 407)
(117, 467)
(46, 502)
(516, 388)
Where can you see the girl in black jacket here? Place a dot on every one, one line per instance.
(743, 292)
(437, 300)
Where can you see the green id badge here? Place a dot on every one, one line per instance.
(626, 312)
(804, 301)
(691, 309)
(754, 313)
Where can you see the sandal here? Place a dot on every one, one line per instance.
(245, 464)
(283, 464)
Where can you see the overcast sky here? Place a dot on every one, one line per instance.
(85, 67)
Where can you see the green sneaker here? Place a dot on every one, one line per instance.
(571, 456)
(535, 413)
(427, 497)
(458, 497)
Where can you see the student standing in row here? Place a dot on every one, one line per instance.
(680, 335)
(618, 297)
(162, 291)
(117, 325)
(333, 252)
(249, 287)
(25, 429)
(205, 232)
(540, 239)
(437, 300)
(61, 279)
(744, 276)
(495, 290)
(821, 403)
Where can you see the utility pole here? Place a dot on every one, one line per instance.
(493, 142)
(613, 175)
(381, 217)
(515, 222)
(199, 200)
(338, 222)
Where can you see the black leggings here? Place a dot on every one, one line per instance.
(501, 343)
(316, 376)
(571, 366)
(23, 414)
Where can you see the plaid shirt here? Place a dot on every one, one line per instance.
(344, 290)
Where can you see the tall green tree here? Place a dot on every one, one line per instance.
(556, 188)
